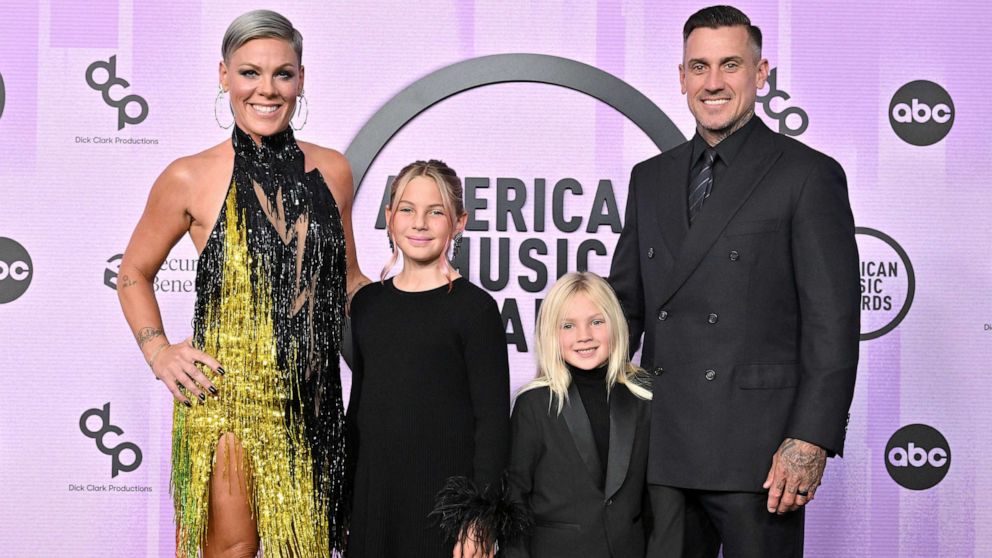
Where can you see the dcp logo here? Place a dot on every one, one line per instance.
(116, 466)
(110, 66)
(801, 120)
(15, 270)
(917, 457)
(921, 112)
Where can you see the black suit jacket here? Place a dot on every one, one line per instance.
(554, 469)
(750, 316)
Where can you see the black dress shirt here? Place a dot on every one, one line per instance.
(726, 151)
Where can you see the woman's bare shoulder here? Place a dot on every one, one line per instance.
(321, 154)
(333, 165)
(199, 168)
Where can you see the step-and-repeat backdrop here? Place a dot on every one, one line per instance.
(543, 108)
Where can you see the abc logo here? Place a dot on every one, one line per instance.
(917, 457)
(15, 270)
(921, 112)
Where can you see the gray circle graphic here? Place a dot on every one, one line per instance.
(506, 68)
(16, 270)
(921, 112)
(917, 457)
(3, 95)
(910, 282)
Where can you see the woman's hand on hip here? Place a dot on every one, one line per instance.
(176, 366)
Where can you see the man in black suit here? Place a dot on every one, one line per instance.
(738, 263)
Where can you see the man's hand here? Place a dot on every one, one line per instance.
(797, 469)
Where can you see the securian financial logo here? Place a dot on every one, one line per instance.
(175, 275)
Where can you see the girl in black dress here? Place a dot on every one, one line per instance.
(430, 384)
(580, 430)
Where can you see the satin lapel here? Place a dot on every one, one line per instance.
(673, 194)
(739, 180)
(623, 428)
(578, 424)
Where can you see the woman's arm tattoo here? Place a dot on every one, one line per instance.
(146, 334)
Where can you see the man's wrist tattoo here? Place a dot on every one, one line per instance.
(146, 334)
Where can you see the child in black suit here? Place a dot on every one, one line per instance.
(580, 430)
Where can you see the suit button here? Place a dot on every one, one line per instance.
(734, 255)
(609, 502)
(650, 252)
(658, 371)
(713, 318)
(710, 374)
(663, 315)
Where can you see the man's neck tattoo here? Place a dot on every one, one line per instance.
(737, 126)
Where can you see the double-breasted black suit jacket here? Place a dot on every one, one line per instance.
(750, 316)
(555, 470)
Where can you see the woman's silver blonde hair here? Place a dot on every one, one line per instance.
(552, 372)
(260, 24)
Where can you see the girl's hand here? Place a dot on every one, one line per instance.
(469, 545)
(175, 366)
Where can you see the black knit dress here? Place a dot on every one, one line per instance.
(429, 400)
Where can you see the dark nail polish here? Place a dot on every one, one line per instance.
(202, 397)
(187, 403)
(220, 370)
(212, 390)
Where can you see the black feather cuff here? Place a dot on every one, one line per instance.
(490, 515)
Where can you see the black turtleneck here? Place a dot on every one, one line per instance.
(592, 389)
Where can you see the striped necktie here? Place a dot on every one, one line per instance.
(702, 183)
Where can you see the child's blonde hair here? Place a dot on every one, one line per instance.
(450, 187)
(551, 369)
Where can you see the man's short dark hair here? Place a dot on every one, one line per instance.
(716, 17)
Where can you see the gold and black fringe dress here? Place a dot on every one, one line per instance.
(270, 290)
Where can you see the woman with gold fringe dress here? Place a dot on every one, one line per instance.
(258, 451)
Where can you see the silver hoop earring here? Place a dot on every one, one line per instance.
(301, 104)
(457, 245)
(218, 99)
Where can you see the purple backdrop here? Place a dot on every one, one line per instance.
(72, 187)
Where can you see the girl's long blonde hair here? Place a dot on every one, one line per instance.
(551, 369)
